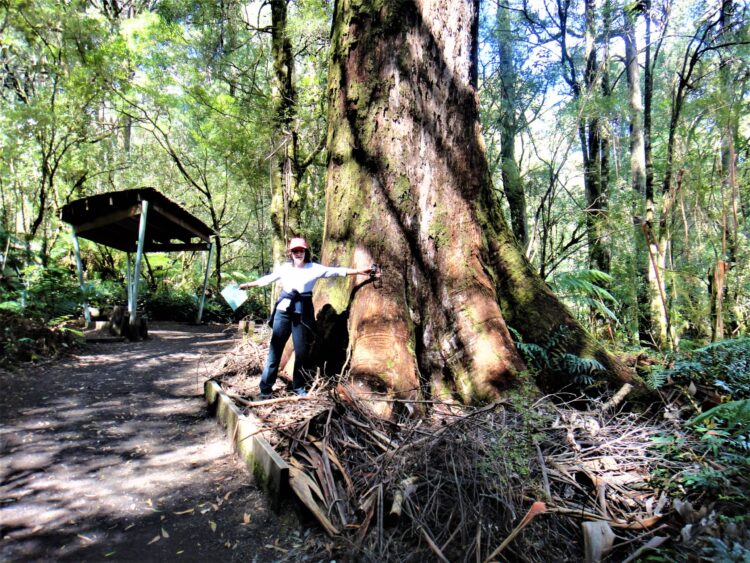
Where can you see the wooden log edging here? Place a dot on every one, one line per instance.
(261, 459)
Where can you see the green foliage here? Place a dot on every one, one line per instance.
(726, 475)
(179, 305)
(714, 445)
(553, 357)
(104, 294)
(725, 365)
(586, 290)
(168, 305)
(12, 306)
(655, 379)
(27, 339)
(734, 415)
(52, 292)
(718, 550)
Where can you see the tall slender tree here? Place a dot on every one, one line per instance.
(651, 305)
(290, 162)
(728, 122)
(509, 126)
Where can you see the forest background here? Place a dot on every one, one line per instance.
(647, 247)
(616, 136)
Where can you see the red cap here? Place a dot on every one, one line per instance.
(297, 243)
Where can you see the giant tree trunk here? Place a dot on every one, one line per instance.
(408, 186)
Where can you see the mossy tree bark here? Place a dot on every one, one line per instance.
(509, 128)
(295, 150)
(408, 187)
(285, 195)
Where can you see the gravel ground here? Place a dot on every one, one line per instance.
(109, 455)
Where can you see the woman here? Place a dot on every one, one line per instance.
(293, 313)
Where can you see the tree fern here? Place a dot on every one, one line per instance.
(586, 289)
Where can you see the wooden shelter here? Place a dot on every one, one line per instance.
(137, 221)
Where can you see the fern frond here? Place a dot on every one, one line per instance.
(582, 366)
(656, 378)
(601, 308)
(735, 414)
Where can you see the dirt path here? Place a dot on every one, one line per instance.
(109, 455)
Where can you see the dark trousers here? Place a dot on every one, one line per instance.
(284, 324)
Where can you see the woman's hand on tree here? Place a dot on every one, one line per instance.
(362, 272)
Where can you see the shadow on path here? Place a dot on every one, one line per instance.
(109, 455)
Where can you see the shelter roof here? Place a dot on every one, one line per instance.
(113, 218)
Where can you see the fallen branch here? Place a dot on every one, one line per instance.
(405, 488)
(290, 399)
(545, 477)
(236, 398)
(433, 546)
(643, 523)
(617, 398)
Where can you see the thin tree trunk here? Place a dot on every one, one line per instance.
(718, 279)
(729, 120)
(651, 313)
(512, 184)
(592, 145)
(285, 199)
(602, 258)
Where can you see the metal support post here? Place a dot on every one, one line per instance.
(138, 258)
(128, 285)
(79, 264)
(205, 282)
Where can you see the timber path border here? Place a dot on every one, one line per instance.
(243, 432)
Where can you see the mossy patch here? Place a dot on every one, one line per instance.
(439, 231)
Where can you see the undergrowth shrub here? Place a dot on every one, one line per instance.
(52, 293)
(24, 339)
(725, 365)
(172, 305)
(105, 294)
(712, 447)
(182, 306)
(553, 358)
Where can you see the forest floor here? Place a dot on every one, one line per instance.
(109, 454)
